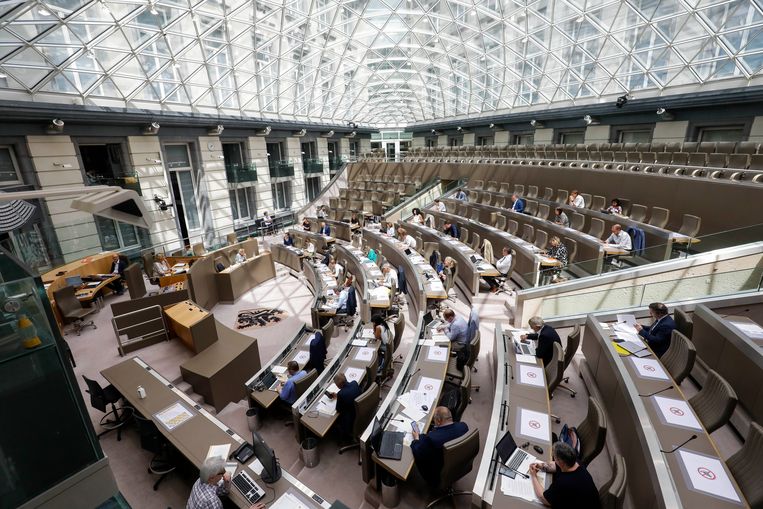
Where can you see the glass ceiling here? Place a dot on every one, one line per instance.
(379, 62)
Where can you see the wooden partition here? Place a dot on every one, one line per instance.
(339, 229)
(287, 255)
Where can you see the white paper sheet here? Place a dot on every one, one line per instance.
(649, 368)
(629, 319)
(354, 374)
(413, 414)
(220, 450)
(427, 342)
(367, 334)
(677, 412)
(333, 388)
(708, 475)
(302, 357)
(173, 416)
(326, 406)
(527, 359)
(365, 354)
(309, 339)
(440, 338)
(431, 388)
(231, 467)
(531, 375)
(436, 286)
(437, 354)
(753, 330)
(534, 424)
(521, 487)
(625, 327)
(277, 370)
(288, 501)
(256, 466)
(359, 342)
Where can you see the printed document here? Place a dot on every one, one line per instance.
(531, 375)
(708, 475)
(534, 424)
(173, 416)
(302, 357)
(437, 354)
(677, 412)
(354, 374)
(218, 451)
(649, 368)
(365, 354)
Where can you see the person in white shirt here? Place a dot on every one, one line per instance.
(439, 206)
(390, 229)
(390, 276)
(240, 256)
(576, 200)
(619, 238)
(336, 268)
(502, 265)
(161, 267)
(417, 217)
(406, 239)
(310, 248)
(461, 195)
(321, 213)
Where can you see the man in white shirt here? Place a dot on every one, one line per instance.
(576, 200)
(619, 238)
(406, 239)
(439, 206)
(390, 276)
(502, 265)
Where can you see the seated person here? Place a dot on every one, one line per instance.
(572, 485)
(561, 218)
(161, 267)
(321, 212)
(344, 295)
(406, 238)
(288, 240)
(310, 248)
(354, 221)
(450, 229)
(306, 224)
(287, 392)
(502, 265)
(391, 229)
(546, 337)
(390, 276)
(417, 217)
(517, 203)
(615, 207)
(317, 358)
(620, 239)
(336, 269)
(267, 220)
(576, 200)
(325, 229)
(240, 256)
(461, 195)
(439, 206)
(345, 403)
(659, 333)
(427, 447)
(448, 266)
(371, 255)
(118, 266)
(558, 251)
(456, 330)
(213, 483)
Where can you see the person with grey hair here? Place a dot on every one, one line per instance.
(572, 486)
(390, 276)
(545, 335)
(213, 482)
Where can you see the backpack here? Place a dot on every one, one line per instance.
(569, 435)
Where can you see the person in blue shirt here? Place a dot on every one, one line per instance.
(288, 392)
(325, 229)
(461, 195)
(659, 333)
(518, 204)
(427, 447)
(450, 229)
(288, 240)
(456, 330)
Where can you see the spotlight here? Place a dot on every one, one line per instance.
(459, 128)
(434, 132)
(622, 101)
(216, 131)
(491, 126)
(661, 111)
(163, 205)
(589, 120)
(665, 114)
(56, 126)
(152, 128)
(536, 124)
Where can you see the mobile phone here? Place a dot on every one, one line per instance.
(415, 426)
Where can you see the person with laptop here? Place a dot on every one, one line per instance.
(572, 485)
(427, 447)
(546, 337)
(287, 391)
(456, 330)
(345, 403)
(659, 333)
(213, 482)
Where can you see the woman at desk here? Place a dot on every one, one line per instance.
(382, 334)
(161, 267)
(240, 256)
(354, 221)
(287, 239)
(557, 251)
(417, 217)
(305, 224)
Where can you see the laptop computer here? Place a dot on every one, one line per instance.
(509, 454)
(75, 281)
(269, 380)
(634, 348)
(387, 444)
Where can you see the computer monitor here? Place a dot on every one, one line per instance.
(74, 281)
(272, 470)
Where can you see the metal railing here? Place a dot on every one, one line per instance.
(238, 173)
(312, 166)
(283, 168)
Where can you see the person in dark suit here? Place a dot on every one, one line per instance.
(517, 203)
(118, 266)
(345, 403)
(325, 229)
(450, 229)
(288, 240)
(317, 353)
(659, 333)
(427, 447)
(546, 337)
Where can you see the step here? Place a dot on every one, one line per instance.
(184, 386)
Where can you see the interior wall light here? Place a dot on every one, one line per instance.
(536, 124)
(589, 120)
(665, 114)
(300, 133)
(216, 130)
(56, 126)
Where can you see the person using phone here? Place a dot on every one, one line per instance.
(572, 486)
(427, 447)
(345, 403)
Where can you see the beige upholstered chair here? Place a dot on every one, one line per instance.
(592, 432)
(680, 356)
(715, 403)
(612, 492)
(458, 459)
(746, 467)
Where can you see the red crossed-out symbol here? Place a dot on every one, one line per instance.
(531, 375)
(429, 387)
(534, 424)
(676, 411)
(706, 473)
(649, 368)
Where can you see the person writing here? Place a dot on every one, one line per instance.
(456, 330)
(345, 403)
(450, 229)
(619, 238)
(287, 391)
(659, 333)
(390, 276)
(546, 337)
(240, 256)
(561, 218)
(461, 195)
(161, 267)
(439, 206)
(558, 252)
(405, 238)
(572, 487)
(213, 482)
(288, 240)
(427, 447)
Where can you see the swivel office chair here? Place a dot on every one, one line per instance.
(109, 395)
(72, 310)
(458, 459)
(365, 407)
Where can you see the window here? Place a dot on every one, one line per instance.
(177, 156)
(721, 133)
(242, 203)
(354, 149)
(9, 170)
(116, 235)
(185, 182)
(634, 136)
(312, 187)
(455, 141)
(571, 137)
(281, 195)
(523, 139)
(485, 140)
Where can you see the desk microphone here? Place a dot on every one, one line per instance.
(517, 471)
(655, 392)
(411, 377)
(674, 449)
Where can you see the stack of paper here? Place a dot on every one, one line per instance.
(359, 342)
(365, 354)
(173, 416)
(430, 389)
(277, 370)
(521, 487)
(326, 406)
(437, 354)
(527, 359)
(625, 327)
(218, 451)
(436, 286)
(367, 333)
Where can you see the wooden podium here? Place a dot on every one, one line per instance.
(194, 326)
